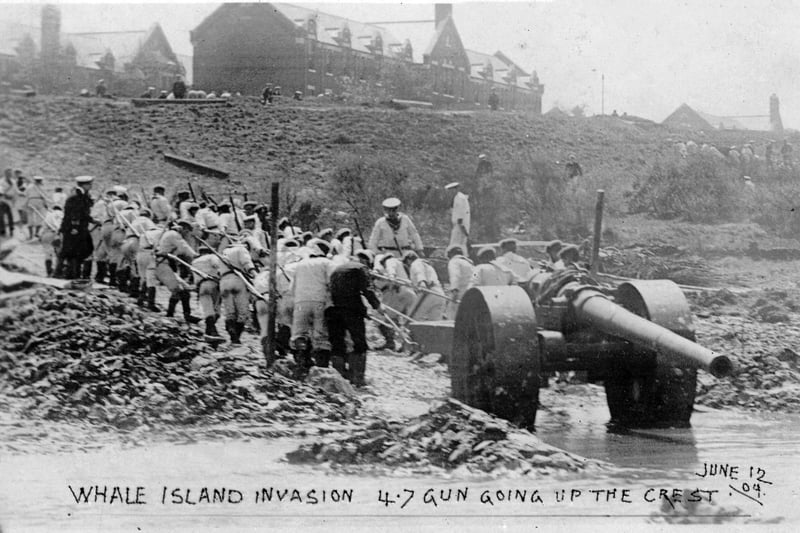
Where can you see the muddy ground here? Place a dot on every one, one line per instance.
(260, 427)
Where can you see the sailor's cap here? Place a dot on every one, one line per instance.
(452, 185)
(391, 203)
(84, 179)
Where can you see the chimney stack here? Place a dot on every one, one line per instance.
(442, 11)
(51, 29)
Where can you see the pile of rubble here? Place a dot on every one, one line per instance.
(67, 355)
(766, 354)
(665, 262)
(450, 436)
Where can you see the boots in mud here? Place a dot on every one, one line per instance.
(102, 272)
(141, 298)
(187, 309)
(134, 288)
(59, 268)
(172, 304)
(86, 271)
(340, 365)
(358, 366)
(388, 335)
(232, 327)
(112, 274)
(302, 357)
(212, 336)
(151, 300)
(123, 276)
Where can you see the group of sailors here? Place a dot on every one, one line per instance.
(222, 252)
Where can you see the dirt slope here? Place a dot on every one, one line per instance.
(62, 137)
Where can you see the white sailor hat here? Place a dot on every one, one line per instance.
(119, 189)
(84, 179)
(391, 203)
(38, 178)
(327, 231)
(482, 156)
(367, 254)
(409, 256)
(508, 242)
(452, 185)
(487, 251)
(319, 247)
(342, 233)
(455, 247)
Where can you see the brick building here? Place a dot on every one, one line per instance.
(241, 47)
(56, 61)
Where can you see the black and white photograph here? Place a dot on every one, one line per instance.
(384, 266)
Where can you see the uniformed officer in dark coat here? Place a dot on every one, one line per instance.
(77, 243)
(348, 283)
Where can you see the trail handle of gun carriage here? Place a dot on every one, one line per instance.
(503, 340)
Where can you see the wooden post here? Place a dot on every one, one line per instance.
(598, 228)
(269, 344)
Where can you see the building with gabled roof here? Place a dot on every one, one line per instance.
(686, 118)
(128, 61)
(242, 47)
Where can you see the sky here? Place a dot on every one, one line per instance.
(643, 57)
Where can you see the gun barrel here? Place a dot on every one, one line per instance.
(594, 309)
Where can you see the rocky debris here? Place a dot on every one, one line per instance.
(329, 380)
(450, 436)
(80, 356)
(768, 374)
(647, 263)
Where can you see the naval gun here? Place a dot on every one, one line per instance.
(636, 338)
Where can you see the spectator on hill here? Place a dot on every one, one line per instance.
(573, 167)
(494, 101)
(179, 88)
(266, 95)
(100, 89)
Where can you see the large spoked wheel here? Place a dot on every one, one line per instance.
(653, 391)
(495, 361)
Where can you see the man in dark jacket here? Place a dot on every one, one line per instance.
(76, 240)
(179, 89)
(348, 283)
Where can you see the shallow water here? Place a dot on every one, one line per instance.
(35, 493)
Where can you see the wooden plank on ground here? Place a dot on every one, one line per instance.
(195, 166)
(143, 102)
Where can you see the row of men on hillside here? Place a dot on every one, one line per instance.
(743, 156)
